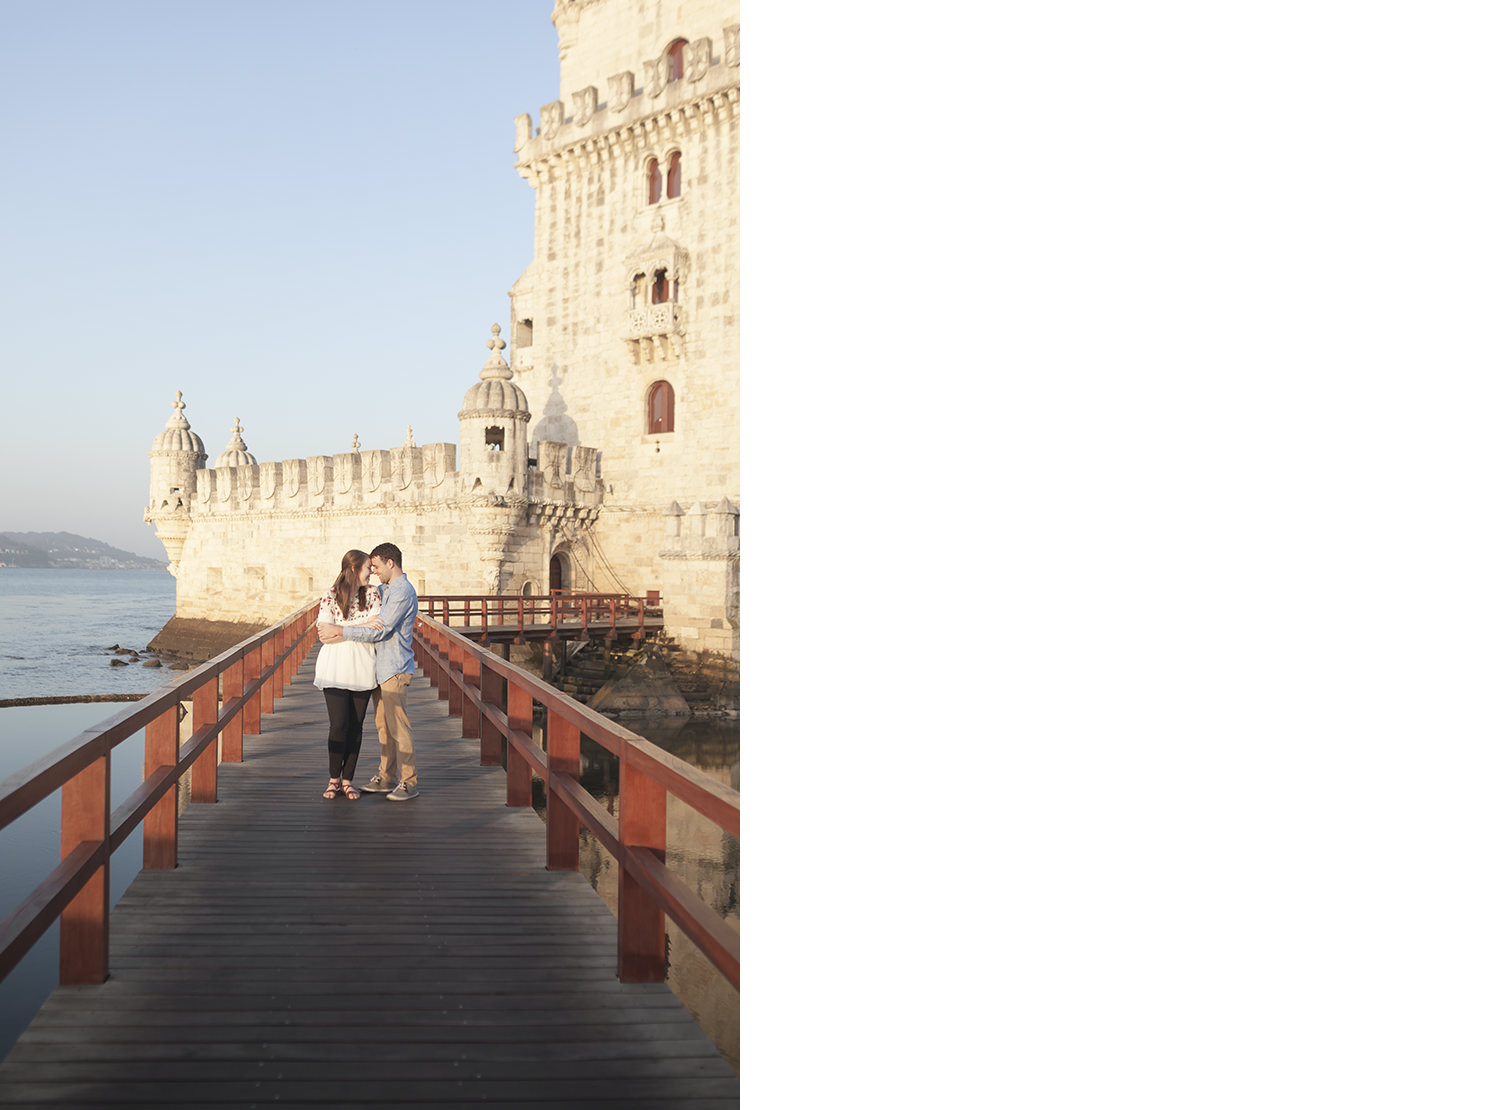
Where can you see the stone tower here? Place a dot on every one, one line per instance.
(492, 429)
(176, 455)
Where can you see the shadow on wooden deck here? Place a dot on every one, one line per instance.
(315, 953)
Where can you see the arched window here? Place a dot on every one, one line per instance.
(494, 438)
(659, 405)
(653, 181)
(674, 60)
(663, 290)
(674, 175)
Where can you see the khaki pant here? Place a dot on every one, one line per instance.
(394, 729)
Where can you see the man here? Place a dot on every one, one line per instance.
(394, 667)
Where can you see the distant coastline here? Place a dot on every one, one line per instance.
(67, 551)
(142, 564)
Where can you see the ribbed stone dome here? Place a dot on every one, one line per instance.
(494, 391)
(178, 435)
(235, 454)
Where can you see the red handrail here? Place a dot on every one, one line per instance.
(495, 699)
(76, 893)
(561, 609)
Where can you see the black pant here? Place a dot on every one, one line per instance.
(346, 724)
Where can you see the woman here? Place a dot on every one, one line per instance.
(346, 671)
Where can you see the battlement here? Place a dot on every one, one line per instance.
(403, 475)
(400, 476)
(639, 107)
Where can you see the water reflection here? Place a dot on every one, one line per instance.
(699, 853)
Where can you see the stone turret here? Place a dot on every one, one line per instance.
(235, 454)
(176, 454)
(492, 430)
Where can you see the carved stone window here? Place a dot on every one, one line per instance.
(654, 321)
(674, 59)
(674, 175)
(653, 181)
(494, 438)
(660, 402)
(663, 289)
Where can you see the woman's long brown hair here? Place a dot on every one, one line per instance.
(347, 583)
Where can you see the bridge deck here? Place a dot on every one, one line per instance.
(596, 630)
(315, 953)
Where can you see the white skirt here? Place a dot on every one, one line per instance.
(345, 666)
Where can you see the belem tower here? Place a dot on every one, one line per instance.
(625, 327)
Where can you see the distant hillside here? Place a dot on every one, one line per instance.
(65, 550)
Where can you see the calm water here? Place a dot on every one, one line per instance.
(58, 627)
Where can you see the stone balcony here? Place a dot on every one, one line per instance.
(654, 333)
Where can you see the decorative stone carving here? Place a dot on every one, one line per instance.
(696, 59)
(621, 89)
(585, 104)
(270, 480)
(585, 483)
(550, 459)
(319, 474)
(656, 70)
(523, 130)
(552, 119)
(732, 45)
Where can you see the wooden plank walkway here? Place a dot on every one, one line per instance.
(568, 631)
(372, 953)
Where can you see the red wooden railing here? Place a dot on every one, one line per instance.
(561, 610)
(496, 699)
(229, 695)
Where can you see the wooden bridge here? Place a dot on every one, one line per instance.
(561, 615)
(279, 948)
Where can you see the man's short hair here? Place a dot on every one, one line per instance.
(387, 551)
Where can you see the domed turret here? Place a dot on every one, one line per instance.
(178, 435)
(492, 429)
(176, 455)
(235, 454)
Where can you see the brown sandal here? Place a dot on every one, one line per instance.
(331, 791)
(349, 791)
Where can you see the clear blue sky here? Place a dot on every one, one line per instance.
(282, 209)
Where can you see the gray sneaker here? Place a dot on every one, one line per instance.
(404, 791)
(377, 785)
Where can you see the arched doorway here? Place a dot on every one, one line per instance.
(557, 573)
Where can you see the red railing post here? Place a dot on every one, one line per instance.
(454, 666)
(83, 932)
(470, 708)
(278, 645)
(264, 669)
(205, 786)
(234, 686)
(159, 852)
(252, 704)
(641, 922)
(491, 740)
(563, 759)
(517, 770)
(440, 666)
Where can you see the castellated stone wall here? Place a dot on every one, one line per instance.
(632, 295)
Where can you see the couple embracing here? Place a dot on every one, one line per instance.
(366, 655)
